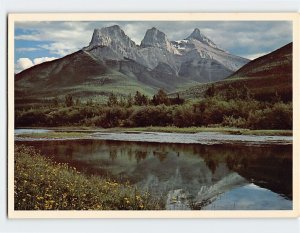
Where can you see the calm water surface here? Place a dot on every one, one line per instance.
(226, 176)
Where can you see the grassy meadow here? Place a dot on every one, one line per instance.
(42, 184)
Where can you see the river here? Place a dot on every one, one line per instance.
(207, 171)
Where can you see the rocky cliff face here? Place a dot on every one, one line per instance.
(157, 39)
(197, 35)
(196, 57)
(198, 46)
(111, 43)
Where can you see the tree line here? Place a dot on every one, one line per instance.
(231, 108)
(138, 99)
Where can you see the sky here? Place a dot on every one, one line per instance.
(37, 42)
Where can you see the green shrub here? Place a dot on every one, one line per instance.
(160, 115)
(278, 116)
(234, 122)
(184, 116)
(209, 111)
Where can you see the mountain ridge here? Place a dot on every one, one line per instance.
(112, 55)
(267, 77)
(197, 35)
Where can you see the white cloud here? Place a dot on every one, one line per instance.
(60, 48)
(59, 38)
(25, 63)
(240, 37)
(136, 31)
(33, 37)
(22, 64)
(40, 60)
(26, 49)
(255, 55)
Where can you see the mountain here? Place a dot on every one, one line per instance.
(264, 76)
(277, 63)
(197, 35)
(158, 39)
(197, 46)
(111, 43)
(112, 62)
(269, 74)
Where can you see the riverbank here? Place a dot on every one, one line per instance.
(54, 135)
(233, 131)
(204, 138)
(42, 184)
(81, 131)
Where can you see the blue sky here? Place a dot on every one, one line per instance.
(36, 42)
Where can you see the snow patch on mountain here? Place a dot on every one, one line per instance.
(197, 35)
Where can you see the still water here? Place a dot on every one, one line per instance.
(218, 177)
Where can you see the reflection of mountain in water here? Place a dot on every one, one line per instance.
(181, 199)
(201, 172)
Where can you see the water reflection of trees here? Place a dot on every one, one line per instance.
(267, 166)
(211, 164)
(161, 155)
(113, 154)
(140, 155)
(129, 153)
(235, 162)
(69, 152)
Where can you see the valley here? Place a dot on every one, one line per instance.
(160, 125)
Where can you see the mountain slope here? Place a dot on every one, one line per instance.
(113, 62)
(197, 45)
(82, 76)
(269, 74)
(278, 62)
(264, 76)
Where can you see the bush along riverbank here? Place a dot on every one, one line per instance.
(233, 108)
(42, 184)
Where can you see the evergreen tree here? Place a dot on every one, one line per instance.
(178, 100)
(138, 98)
(77, 103)
(122, 102)
(129, 101)
(276, 98)
(162, 98)
(55, 102)
(154, 100)
(112, 100)
(144, 100)
(68, 100)
(89, 102)
(210, 92)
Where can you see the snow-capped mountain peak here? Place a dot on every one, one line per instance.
(111, 43)
(197, 35)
